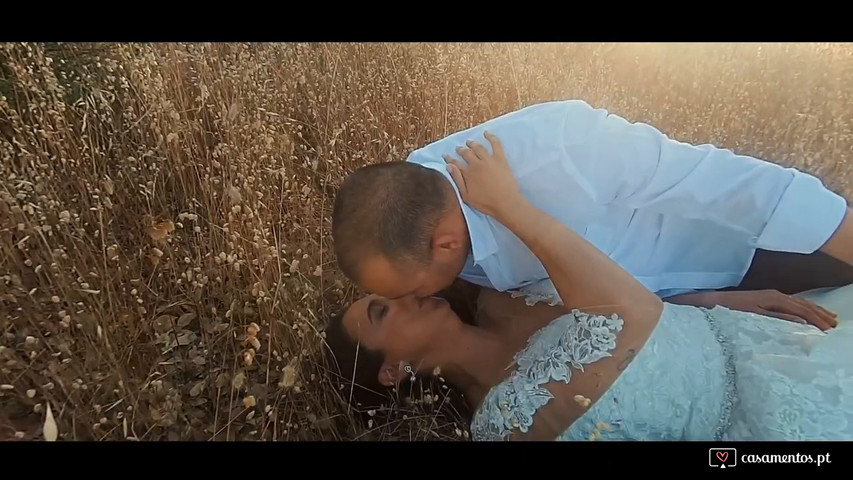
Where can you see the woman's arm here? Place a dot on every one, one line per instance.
(584, 277)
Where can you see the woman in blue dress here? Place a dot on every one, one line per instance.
(616, 363)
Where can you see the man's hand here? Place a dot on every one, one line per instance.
(764, 302)
(486, 183)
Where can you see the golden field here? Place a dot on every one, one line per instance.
(166, 265)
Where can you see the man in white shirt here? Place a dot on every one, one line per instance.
(685, 220)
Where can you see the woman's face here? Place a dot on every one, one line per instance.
(403, 329)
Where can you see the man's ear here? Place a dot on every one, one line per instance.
(446, 243)
(392, 373)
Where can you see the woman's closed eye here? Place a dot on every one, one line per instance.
(376, 310)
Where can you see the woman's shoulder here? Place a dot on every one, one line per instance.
(570, 341)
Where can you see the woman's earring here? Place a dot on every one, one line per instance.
(408, 369)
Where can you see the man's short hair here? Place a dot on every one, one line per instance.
(390, 209)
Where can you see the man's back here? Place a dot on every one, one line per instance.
(677, 216)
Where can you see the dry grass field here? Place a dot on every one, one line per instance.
(165, 259)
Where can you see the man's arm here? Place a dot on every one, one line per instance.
(635, 165)
(840, 244)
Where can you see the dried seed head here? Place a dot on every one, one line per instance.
(249, 357)
(288, 378)
(253, 329)
(161, 230)
(234, 194)
(582, 401)
(239, 381)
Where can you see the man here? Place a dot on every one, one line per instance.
(687, 221)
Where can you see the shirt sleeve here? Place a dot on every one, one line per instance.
(635, 165)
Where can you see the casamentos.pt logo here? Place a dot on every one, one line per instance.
(728, 458)
(789, 458)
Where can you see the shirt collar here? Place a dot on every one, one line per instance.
(483, 242)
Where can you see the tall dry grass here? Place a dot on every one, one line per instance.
(164, 209)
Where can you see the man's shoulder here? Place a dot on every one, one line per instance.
(540, 109)
(516, 129)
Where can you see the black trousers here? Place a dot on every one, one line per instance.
(792, 273)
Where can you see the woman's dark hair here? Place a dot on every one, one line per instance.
(354, 369)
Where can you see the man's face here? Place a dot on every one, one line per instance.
(390, 279)
(394, 277)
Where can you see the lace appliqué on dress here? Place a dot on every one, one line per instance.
(541, 291)
(574, 340)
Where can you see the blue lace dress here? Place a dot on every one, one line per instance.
(703, 374)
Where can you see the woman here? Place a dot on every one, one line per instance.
(621, 365)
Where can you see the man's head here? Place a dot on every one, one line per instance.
(399, 230)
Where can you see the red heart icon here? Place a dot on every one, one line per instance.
(723, 456)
